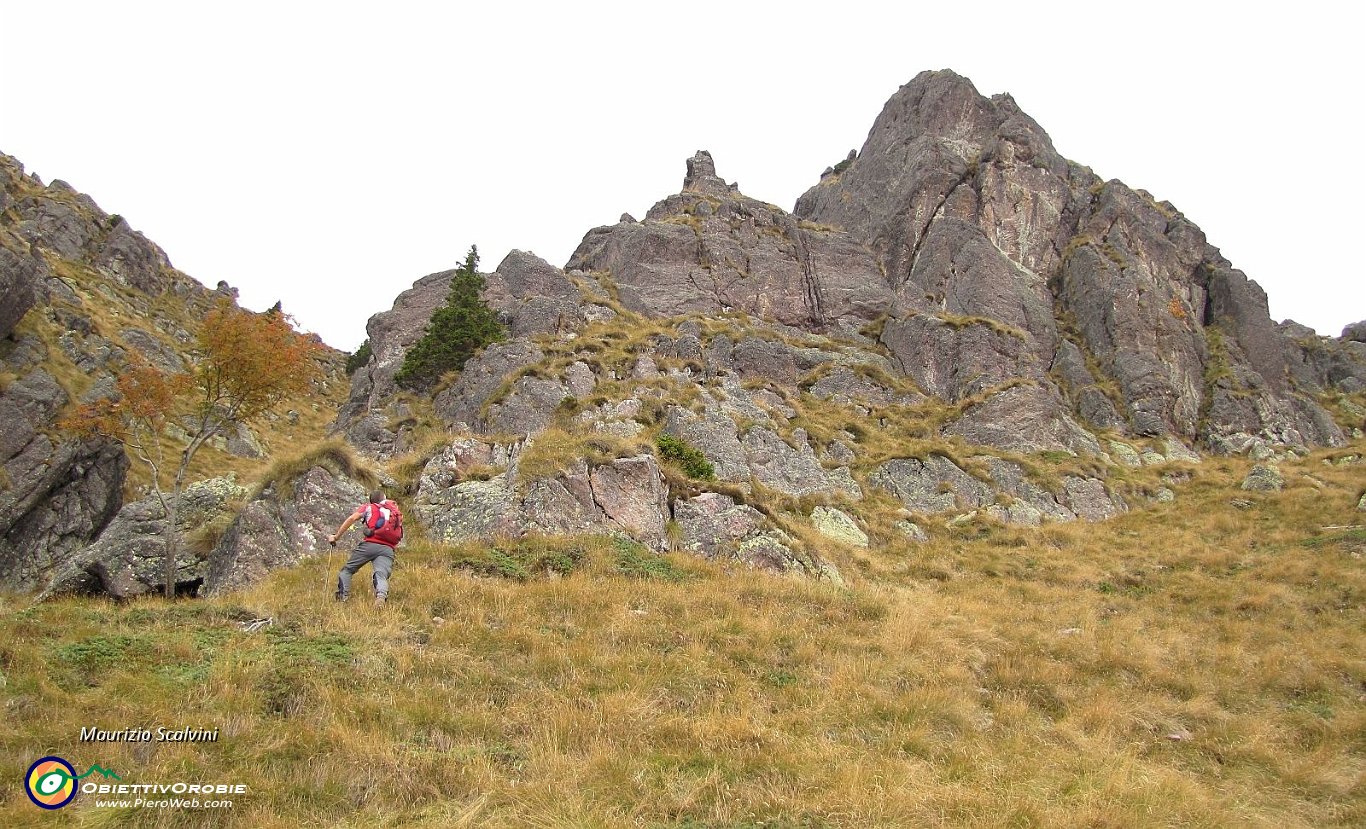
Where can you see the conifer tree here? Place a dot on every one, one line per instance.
(456, 331)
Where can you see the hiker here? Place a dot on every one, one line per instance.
(383, 525)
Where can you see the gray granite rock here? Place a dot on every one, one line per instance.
(710, 249)
(22, 284)
(1024, 419)
(791, 471)
(1263, 478)
(1090, 500)
(713, 524)
(128, 558)
(284, 524)
(935, 484)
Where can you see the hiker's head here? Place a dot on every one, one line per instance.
(377, 497)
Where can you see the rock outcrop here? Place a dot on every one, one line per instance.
(953, 290)
(973, 215)
(712, 250)
(628, 496)
(23, 280)
(81, 296)
(530, 296)
(128, 559)
(955, 320)
(286, 522)
(60, 496)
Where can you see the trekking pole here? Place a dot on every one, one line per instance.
(332, 548)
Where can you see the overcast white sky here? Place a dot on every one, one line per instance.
(330, 154)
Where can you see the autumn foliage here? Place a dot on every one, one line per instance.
(244, 365)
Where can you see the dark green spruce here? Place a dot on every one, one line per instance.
(456, 332)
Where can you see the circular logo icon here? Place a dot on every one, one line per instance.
(50, 783)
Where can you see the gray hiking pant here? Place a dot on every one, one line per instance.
(366, 552)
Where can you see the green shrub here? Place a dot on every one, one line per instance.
(693, 463)
(633, 560)
(95, 653)
(328, 648)
(359, 359)
(522, 561)
(84, 663)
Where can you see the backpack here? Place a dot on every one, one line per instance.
(384, 523)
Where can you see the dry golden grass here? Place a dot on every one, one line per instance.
(557, 449)
(1190, 664)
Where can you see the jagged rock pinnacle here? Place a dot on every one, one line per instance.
(702, 176)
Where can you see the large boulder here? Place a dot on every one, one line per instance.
(625, 495)
(128, 559)
(793, 470)
(1024, 418)
(60, 491)
(464, 510)
(930, 485)
(1263, 478)
(632, 495)
(286, 522)
(937, 484)
(61, 495)
(712, 523)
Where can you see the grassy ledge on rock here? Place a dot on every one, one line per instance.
(333, 455)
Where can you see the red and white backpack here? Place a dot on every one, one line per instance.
(383, 523)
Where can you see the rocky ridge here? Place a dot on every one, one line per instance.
(956, 328)
(954, 321)
(81, 295)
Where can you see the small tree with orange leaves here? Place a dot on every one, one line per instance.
(244, 365)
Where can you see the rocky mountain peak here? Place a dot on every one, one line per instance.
(955, 319)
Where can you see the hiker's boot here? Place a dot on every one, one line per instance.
(379, 601)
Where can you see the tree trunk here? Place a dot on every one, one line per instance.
(173, 514)
(172, 540)
(207, 430)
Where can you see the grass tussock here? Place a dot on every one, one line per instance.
(560, 449)
(962, 321)
(334, 455)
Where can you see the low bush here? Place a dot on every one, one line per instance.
(689, 458)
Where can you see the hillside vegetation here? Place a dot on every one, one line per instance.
(103, 308)
(1199, 663)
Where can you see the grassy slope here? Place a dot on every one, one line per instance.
(111, 306)
(1191, 664)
